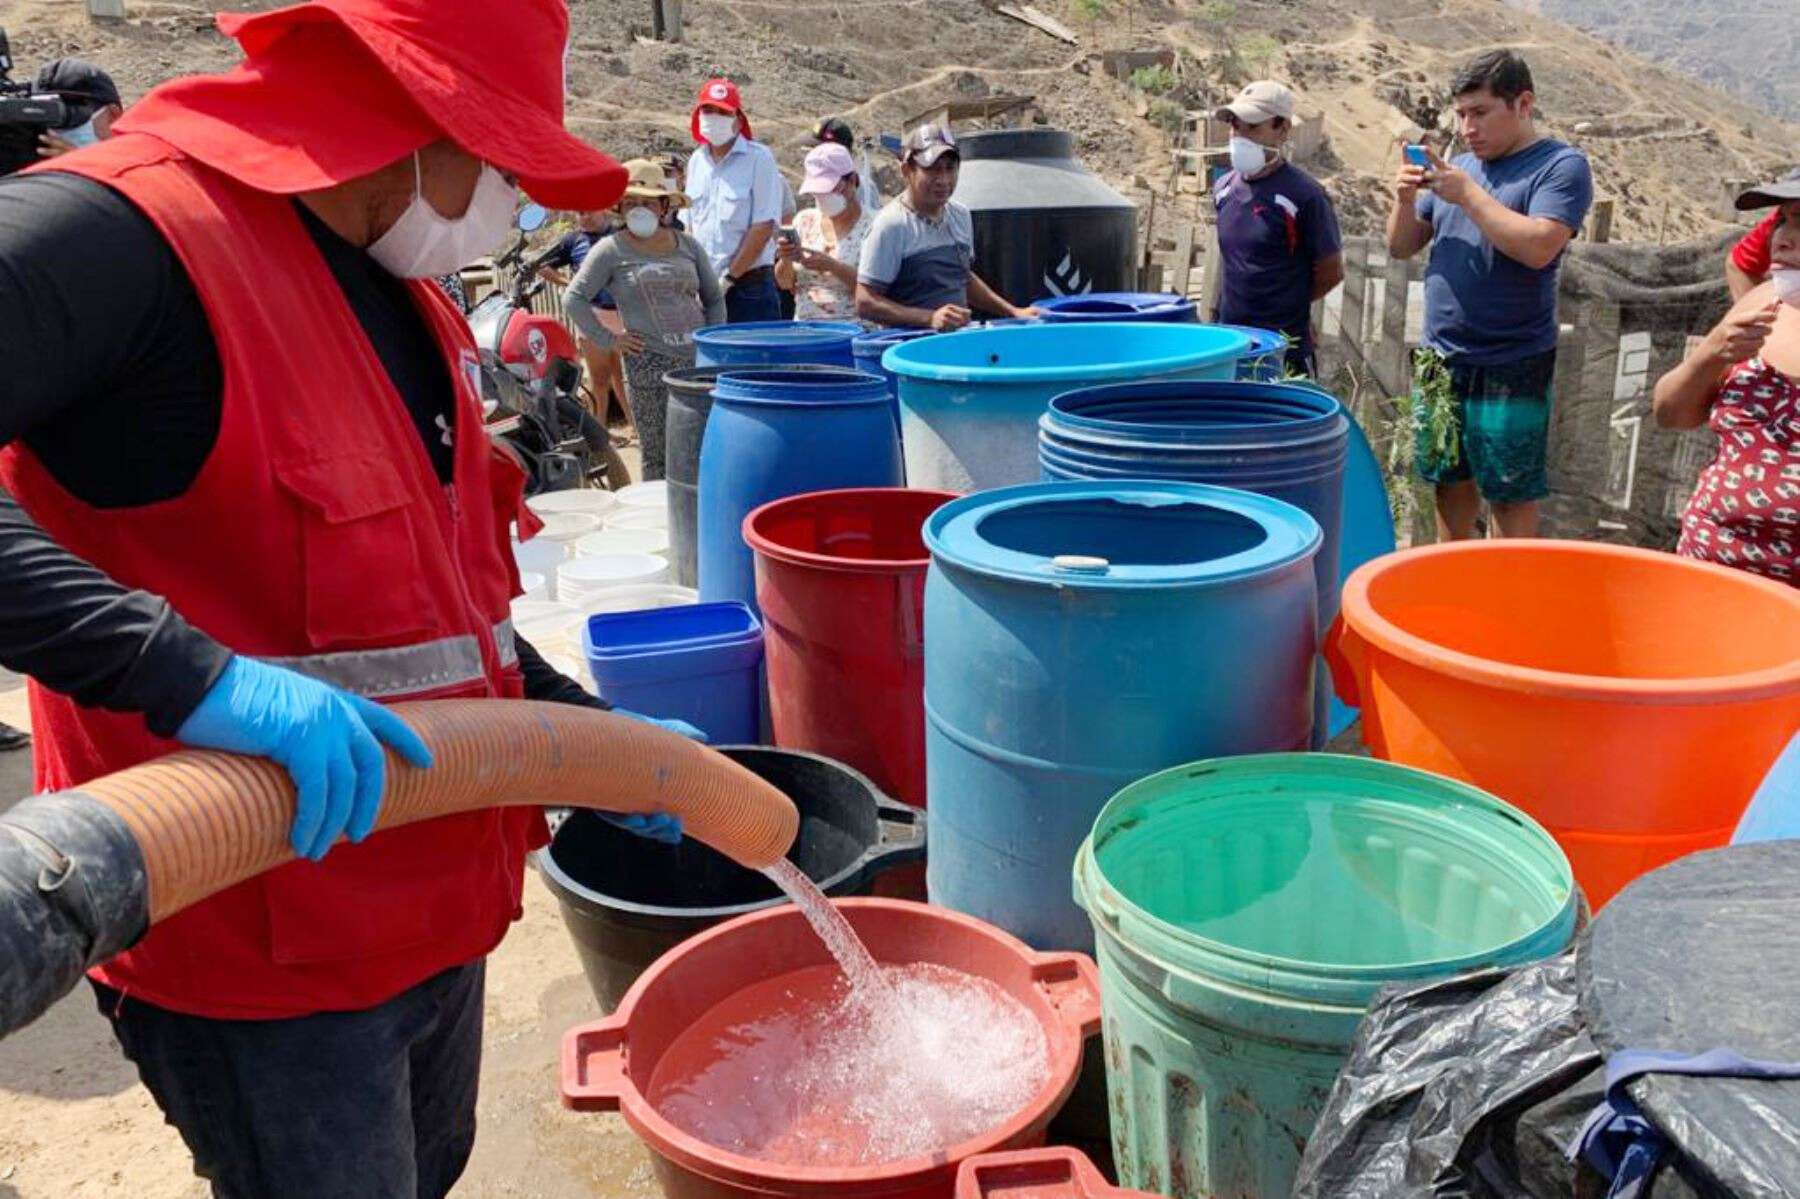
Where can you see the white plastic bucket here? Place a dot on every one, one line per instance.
(579, 579)
(568, 527)
(654, 494)
(627, 541)
(629, 517)
(551, 628)
(639, 599)
(588, 501)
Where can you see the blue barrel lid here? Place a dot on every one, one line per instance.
(806, 385)
(875, 342)
(1106, 536)
(778, 333)
(1096, 305)
(1046, 353)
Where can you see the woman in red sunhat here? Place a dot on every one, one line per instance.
(295, 512)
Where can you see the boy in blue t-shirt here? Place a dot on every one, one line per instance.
(1497, 220)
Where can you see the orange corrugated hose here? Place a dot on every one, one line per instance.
(206, 820)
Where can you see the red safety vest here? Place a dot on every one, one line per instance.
(316, 534)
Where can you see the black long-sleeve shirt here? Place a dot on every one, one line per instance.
(110, 374)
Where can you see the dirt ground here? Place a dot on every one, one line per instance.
(75, 1124)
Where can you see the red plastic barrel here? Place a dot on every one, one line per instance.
(840, 579)
(1053, 1173)
(607, 1065)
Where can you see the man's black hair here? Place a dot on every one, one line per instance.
(1502, 72)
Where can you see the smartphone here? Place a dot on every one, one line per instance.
(1416, 155)
(786, 233)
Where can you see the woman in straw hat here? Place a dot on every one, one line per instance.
(665, 288)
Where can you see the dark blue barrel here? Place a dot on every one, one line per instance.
(1285, 440)
(1164, 306)
(870, 346)
(776, 433)
(777, 343)
(1084, 635)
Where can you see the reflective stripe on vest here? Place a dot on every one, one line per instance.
(405, 669)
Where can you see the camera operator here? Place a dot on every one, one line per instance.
(92, 100)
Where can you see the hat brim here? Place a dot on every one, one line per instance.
(1768, 195)
(820, 185)
(1249, 114)
(675, 199)
(556, 168)
(929, 155)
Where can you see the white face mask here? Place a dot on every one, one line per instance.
(1247, 157)
(718, 128)
(642, 222)
(1787, 283)
(424, 243)
(833, 204)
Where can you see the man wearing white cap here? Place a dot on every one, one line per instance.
(1278, 234)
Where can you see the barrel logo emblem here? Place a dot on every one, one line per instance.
(1066, 279)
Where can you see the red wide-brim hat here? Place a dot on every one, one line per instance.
(335, 89)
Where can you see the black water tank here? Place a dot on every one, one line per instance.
(1044, 224)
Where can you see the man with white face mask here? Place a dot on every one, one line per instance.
(251, 494)
(1278, 233)
(735, 194)
(93, 101)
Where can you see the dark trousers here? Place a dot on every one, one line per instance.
(376, 1104)
(755, 298)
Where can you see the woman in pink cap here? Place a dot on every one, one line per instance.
(821, 264)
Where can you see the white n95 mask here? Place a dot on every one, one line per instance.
(424, 243)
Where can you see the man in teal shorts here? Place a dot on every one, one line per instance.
(1497, 220)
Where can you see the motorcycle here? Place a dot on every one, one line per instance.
(531, 379)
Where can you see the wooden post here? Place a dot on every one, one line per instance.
(1391, 366)
(1212, 275)
(1600, 222)
(665, 20)
(1351, 316)
(1184, 259)
(113, 9)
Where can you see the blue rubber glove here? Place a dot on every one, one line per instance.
(657, 826)
(328, 741)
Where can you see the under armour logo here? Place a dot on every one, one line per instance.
(443, 425)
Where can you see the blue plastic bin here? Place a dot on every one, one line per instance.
(697, 663)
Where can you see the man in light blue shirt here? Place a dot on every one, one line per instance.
(735, 194)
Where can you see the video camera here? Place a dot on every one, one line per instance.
(24, 116)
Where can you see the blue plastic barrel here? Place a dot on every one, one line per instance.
(776, 433)
(1163, 306)
(1266, 359)
(776, 343)
(1084, 635)
(970, 401)
(1280, 440)
(697, 663)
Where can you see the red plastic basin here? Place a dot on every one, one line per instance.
(840, 579)
(1053, 1173)
(608, 1065)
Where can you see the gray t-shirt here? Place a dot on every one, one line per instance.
(662, 297)
(916, 261)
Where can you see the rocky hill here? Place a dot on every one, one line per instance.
(1745, 50)
(1664, 145)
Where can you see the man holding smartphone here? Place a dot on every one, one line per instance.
(1497, 220)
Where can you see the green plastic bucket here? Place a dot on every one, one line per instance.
(1245, 911)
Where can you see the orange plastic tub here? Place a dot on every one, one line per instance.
(1629, 700)
(608, 1065)
(1055, 1172)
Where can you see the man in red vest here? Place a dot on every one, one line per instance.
(253, 497)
